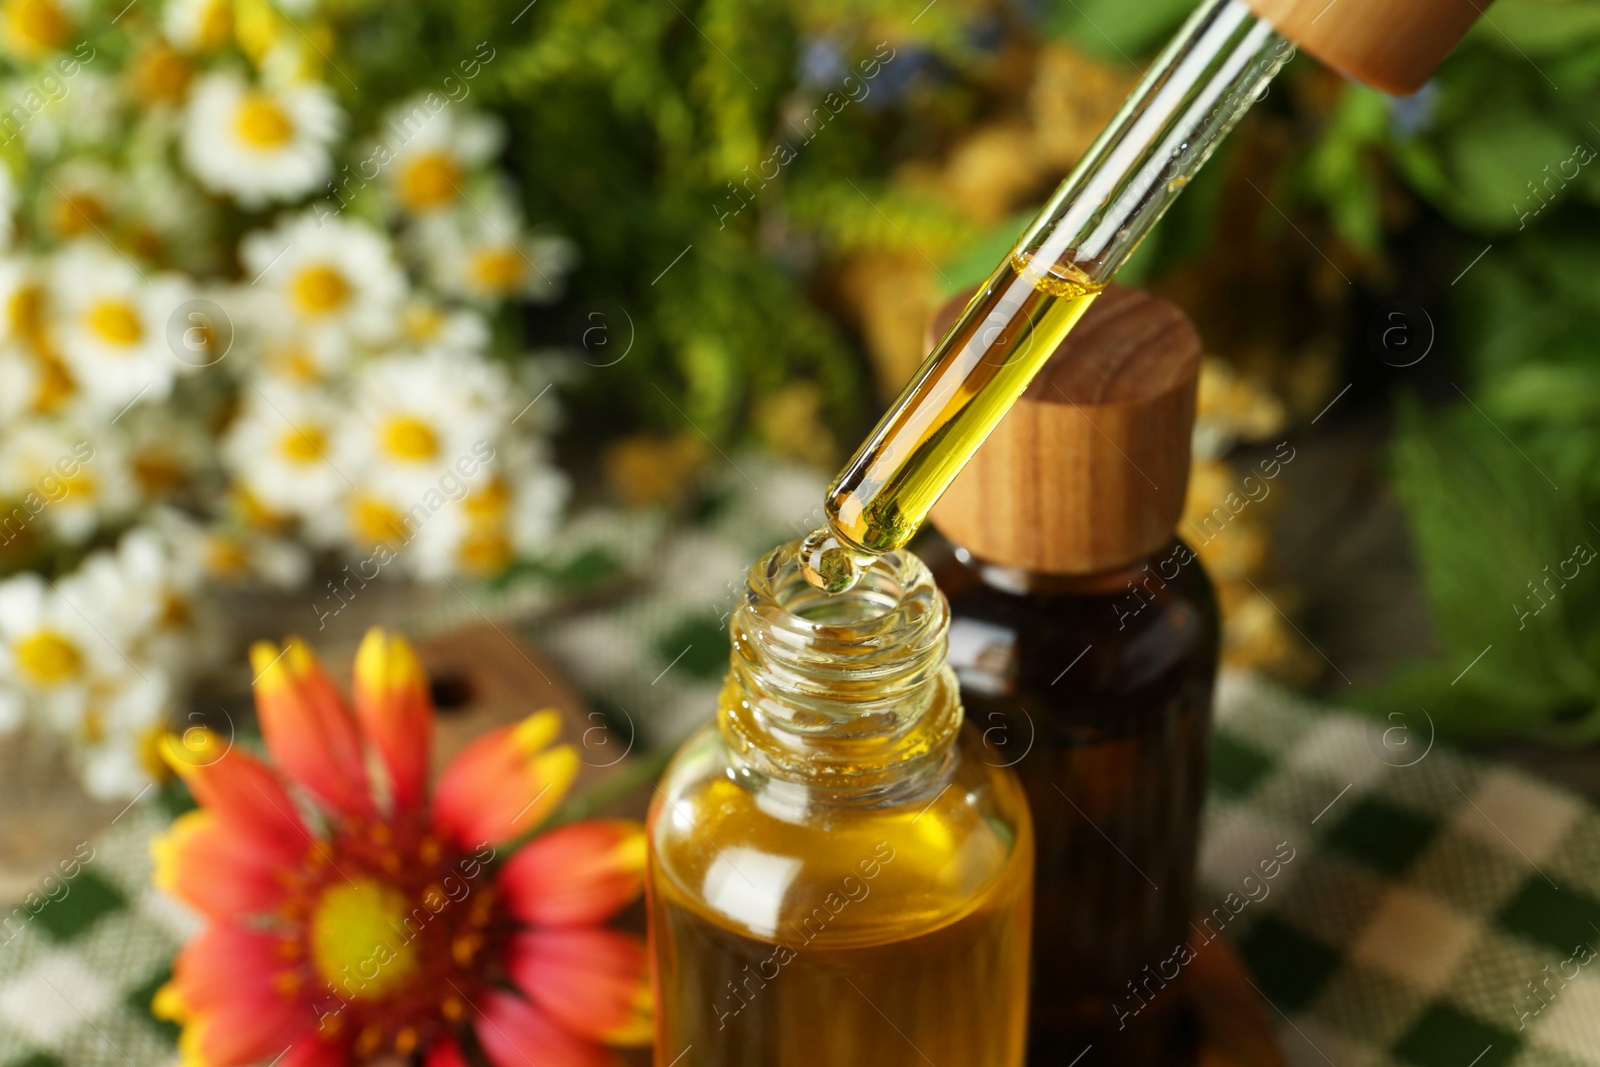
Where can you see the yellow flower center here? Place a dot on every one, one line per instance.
(357, 939)
(304, 444)
(484, 553)
(227, 558)
(216, 26)
(76, 213)
(34, 27)
(47, 657)
(429, 181)
(320, 289)
(490, 502)
(79, 485)
(261, 123)
(498, 270)
(56, 386)
(376, 522)
(421, 322)
(161, 74)
(159, 473)
(115, 323)
(23, 310)
(408, 438)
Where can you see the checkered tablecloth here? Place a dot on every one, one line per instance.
(1429, 896)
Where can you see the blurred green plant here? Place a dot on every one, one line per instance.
(648, 134)
(1502, 145)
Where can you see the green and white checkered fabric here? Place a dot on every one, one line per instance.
(1441, 911)
(77, 975)
(1427, 888)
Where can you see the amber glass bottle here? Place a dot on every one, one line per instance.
(836, 875)
(1084, 634)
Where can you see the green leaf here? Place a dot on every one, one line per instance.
(1115, 29)
(1501, 551)
(1543, 391)
(1528, 29)
(979, 259)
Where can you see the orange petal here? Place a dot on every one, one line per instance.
(307, 727)
(241, 790)
(395, 710)
(238, 996)
(203, 861)
(514, 1033)
(505, 782)
(592, 981)
(576, 875)
(444, 1053)
(312, 1051)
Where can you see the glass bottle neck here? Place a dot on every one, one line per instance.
(847, 694)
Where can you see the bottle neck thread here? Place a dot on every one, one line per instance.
(846, 692)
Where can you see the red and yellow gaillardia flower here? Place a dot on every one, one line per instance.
(353, 913)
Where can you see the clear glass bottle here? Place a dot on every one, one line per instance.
(835, 876)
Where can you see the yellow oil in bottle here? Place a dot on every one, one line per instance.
(960, 393)
(860, 942)
(836, 875)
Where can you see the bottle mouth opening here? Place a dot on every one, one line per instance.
(895, 598)
(847, 688)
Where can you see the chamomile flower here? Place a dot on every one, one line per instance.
(230, 554)
(427, 323)
(510, 511)
(119, 735)
(49, 650)
(302, 359)
(111, 325)
(159, 75)
(19, 380)
(30, 29)
(281, 448)
(369, 518)
(198, 25)
(330, 278)
(81, 120)
(21, 302)
(431, 153)
(165, 456)
(259, 143)
(488, 257)
(147, 602)
(62, 480)
(417, 415)
(80, 199)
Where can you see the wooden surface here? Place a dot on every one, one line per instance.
(1089, 469)
(485, 677)
(1393, 45)
(1235, 1030)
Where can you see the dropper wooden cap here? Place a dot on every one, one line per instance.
(1393, 45)
(1088, 470)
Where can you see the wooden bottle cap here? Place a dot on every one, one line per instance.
(1393, 45)
(1088, 470)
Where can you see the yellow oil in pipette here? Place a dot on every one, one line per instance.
(962, 390)
(1191, 96)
